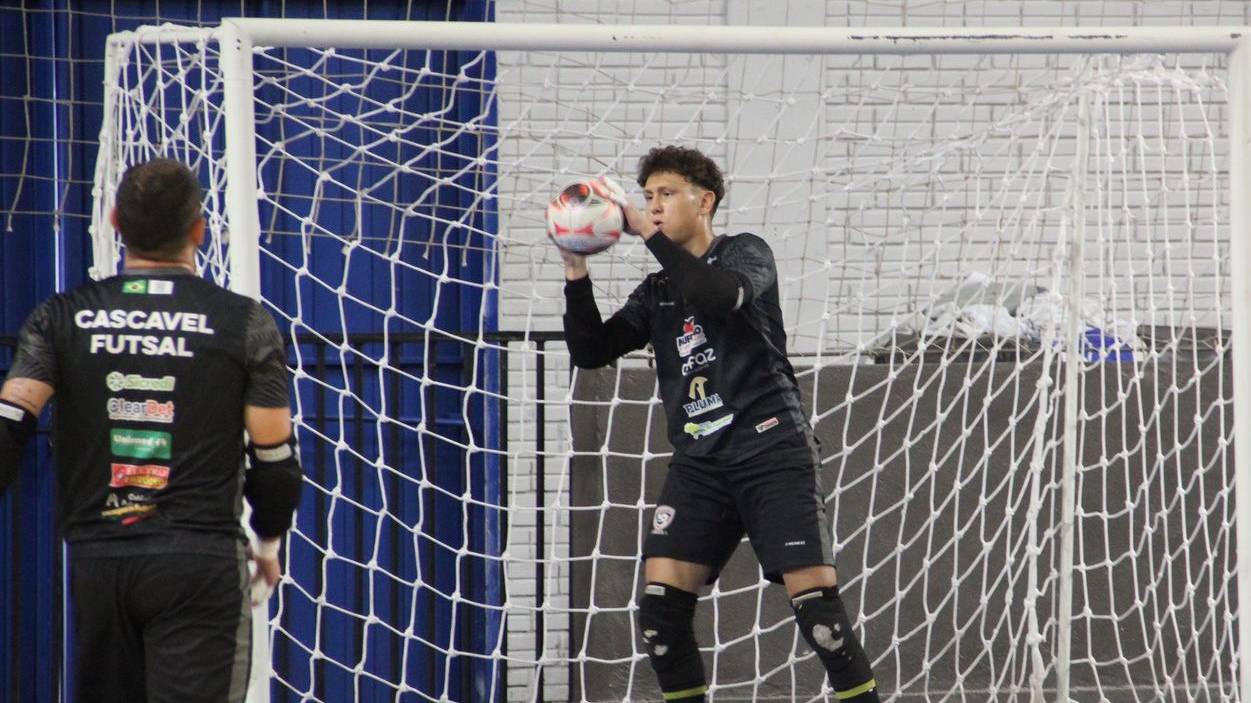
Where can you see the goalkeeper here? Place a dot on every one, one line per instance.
(745, 458)
(157, 373)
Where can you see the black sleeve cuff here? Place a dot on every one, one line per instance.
(665, 251)
(578, 287)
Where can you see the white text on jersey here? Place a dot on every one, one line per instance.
(147, 345)
(142, 320)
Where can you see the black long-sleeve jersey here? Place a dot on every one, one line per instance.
(152, 370)
(728, 389)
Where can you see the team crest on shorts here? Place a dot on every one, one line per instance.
(662, 519)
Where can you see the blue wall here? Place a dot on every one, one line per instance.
(50, 92)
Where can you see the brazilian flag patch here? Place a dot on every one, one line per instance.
(140, 287)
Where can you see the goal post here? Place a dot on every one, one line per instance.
(1016, 287)
(1239, 222)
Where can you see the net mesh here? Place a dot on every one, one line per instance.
(963, 242)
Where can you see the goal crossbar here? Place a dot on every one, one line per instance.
(398, 34)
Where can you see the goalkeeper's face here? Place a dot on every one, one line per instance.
(678, 207)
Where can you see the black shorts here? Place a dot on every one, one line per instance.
(701, 516)
(161, 627)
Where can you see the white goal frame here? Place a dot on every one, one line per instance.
(238, 36)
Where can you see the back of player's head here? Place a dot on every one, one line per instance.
(157, 202)
(691, 164)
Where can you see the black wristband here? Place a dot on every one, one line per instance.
(16, 427)
(273, 486)
(20, 423)
(577, 287)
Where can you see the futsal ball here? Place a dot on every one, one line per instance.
(584, 219)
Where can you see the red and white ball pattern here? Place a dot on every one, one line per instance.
(584, 218)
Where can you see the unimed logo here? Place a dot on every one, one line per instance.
(141, 444)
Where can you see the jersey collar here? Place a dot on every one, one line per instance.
(157, 271)
(712, 248)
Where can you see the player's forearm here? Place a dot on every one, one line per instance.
(592, 342)
(583, 325)
(713, 291)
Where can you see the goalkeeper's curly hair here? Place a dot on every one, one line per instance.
(691, 164)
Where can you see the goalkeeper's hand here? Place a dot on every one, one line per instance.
(636, 223)
(266, 570)
(575, 264)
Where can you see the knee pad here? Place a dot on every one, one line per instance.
(824, 624)
(667, 619)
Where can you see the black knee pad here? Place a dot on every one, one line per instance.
(667, 619)
(824, 624)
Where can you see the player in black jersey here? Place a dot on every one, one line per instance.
(157, 373)
(745, 459)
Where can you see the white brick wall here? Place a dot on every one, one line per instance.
(818, 178)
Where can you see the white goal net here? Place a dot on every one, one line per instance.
(1007, 285)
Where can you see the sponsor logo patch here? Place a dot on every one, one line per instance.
(140, 444)
(692, 337)
(117, 381)
(140, 410)
(703, 405)
(662, 519)
(131, 513)
(703, 429)
(148, 476)
(701, 402)
(147, 287)
(699, 361)
(767, 425)
(696, 389)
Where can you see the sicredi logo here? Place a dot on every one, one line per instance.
(118, 381)
(140, 410)
(140, 444)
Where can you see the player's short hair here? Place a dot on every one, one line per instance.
(691, 164)
(157, 202)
